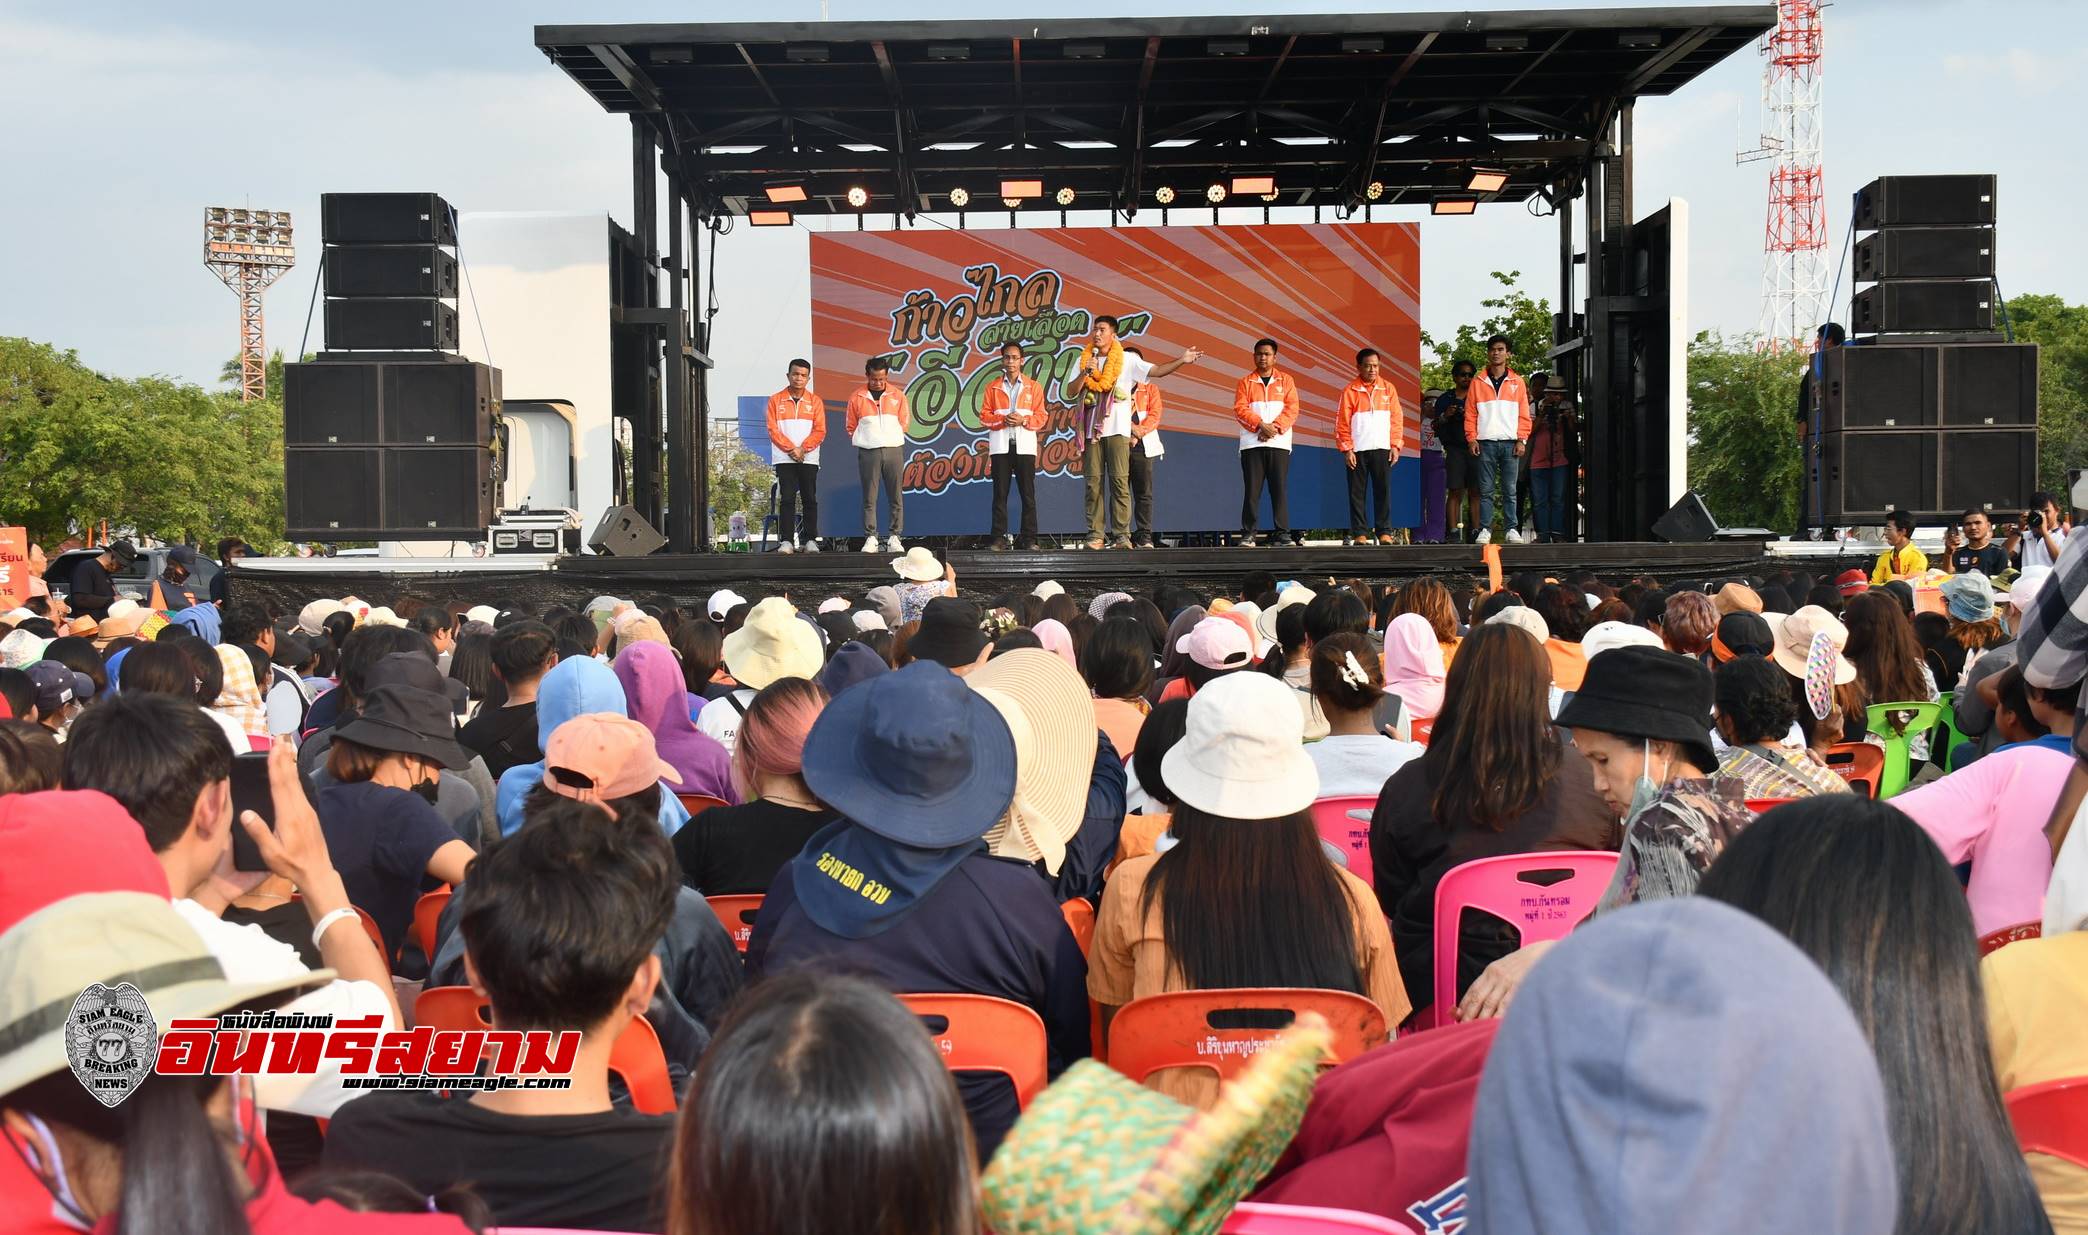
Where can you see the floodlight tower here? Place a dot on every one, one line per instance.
(248, 250)
(1794, 276)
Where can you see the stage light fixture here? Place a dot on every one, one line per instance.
(949, 51)
(1356, 44)
(1064, 197)
(769, 218)
(1455, 205)
(1374, 190)
(1215, 194)
(1507, 42)
(1226, 47)
(782, 194)
(858, 196)
(1011, 202)
(960, 198)
(1269, 197)
(1164, 195)
(1085, 51)
(1253, 186)
(1638, 38)
(1020, 189)
(1486, 180)
(806, 53)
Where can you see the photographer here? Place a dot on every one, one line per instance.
(2039, 538)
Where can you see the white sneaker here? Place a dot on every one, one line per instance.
(894, 545)
(1485, 536)
(870, 545)
(786, 547)
(810, 546)
(1515, 536)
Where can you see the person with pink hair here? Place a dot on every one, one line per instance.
(737, 850)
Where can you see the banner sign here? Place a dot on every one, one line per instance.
(939, 304)
(14, 567)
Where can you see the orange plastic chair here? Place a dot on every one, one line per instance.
(1420, 730)
(697, 803)
(737, 913)
(1330, 818)
(1080, 918)
(1250, 1218)
(1520, 889)
(376, 935)
(1994, 941)
(2052, 1118)
(427, 911)
(636, 1056)
(982, 1034)
(1759, 805)
(1174, 1030)
(1859, 763)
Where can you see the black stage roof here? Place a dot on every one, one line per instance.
(1117, 109)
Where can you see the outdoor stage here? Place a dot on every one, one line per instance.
(535, 584)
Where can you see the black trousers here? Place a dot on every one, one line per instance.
(1257, 465)
(1141, 495)
(797, 482)
(1373, 471)
(1022, 469)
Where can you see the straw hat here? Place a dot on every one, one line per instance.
(773, 644)
(1052, 715)
(1100, 1154)
(125, 617)
(918, 565)
(1794, 638)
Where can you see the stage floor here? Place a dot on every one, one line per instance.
(810, 577)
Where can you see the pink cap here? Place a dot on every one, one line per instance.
(1217, 643)
(600, 756)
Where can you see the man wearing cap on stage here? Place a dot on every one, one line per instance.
(1125, 445)
(1013, 415)
(1266, 405)
(796, 426)
(877, 419)
(1363, 422)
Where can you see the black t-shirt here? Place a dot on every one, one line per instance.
(1450, 425)
(1989, 561)
(600, 1171)
(737, 850)
(504, 737)
(381, 839)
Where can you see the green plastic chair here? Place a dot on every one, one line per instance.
(1897, 770)
(1946, 729)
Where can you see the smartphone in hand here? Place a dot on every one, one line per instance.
(250, 792)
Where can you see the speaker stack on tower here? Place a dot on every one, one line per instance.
(1927, 409)
(389, 434)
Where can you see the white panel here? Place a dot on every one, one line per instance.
(1678, 336)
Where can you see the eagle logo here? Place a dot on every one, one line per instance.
(111, 1041)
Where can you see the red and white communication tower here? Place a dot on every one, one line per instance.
(1794, 275)
(248, 250)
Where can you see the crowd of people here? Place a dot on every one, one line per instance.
(1778, 991)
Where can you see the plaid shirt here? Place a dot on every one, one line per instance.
(2052, 646)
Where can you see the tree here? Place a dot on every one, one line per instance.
(739, 481)
(234, 374)
(2061, 331)
(1744, 456)
(1526, 322)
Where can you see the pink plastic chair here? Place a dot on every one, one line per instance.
(1249, 1218)
(1527, 891)
(1331, 817)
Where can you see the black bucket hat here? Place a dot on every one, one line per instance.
(949, 633)
(124, 552)
(1742, 634)
(1642, 692)
(407, 720)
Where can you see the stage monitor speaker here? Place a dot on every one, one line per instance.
(390, 270)
(623, 532)
(1934, 474)
(1922, 305)
(389, 403)
(1926, 253)
(1687, 521)
(1925, 201)
(386, 218)
(395, 323)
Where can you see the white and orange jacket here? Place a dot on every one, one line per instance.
(1256, 404)
(1365, 417)
(1497, 412)
(993, 414)
(878, 423)
(796, 423)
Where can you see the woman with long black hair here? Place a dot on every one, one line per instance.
(1889, 666)
(1864, 892)
(1244, 897)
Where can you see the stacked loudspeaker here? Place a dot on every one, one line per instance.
(1927, 409)
(390, 434)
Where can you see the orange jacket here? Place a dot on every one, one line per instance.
(1488, 406)
(809, 406)
(993, 413)
(1249, 392)
(1380, 396)
(1145, 408)
(862, 403)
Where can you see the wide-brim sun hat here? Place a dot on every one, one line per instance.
(772, 645)
(1645, 693)
(2023, 592)
(1051, 715)
(124, 618)
(52, 956)
(407, 720)
(1794, 637)
(1242, 753)
(1100, 1154)
(918, 566)
(1291, 597)
(914, 756)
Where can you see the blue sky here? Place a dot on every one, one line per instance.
(123, 120)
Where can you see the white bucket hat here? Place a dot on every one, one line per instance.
(773, 644)
(918, 566)
(1265, 621)
(1242, 755)
(1609, 636)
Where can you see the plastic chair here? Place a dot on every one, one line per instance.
(1174, 1030)
(1080, 918)
(370, 928)
(737, 913)
(1420, 730)
(2052, 1118)
(1995, 940)
(1249, 1218)
(1946, 732)
(635, 1056)
(427, 911)
(982, 1034)
(697, 803)
(1758, 805)
(1898, 770)
(1330, 816)
(1859, 763)
(1520, 889)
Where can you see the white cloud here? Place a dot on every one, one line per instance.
(2023, 69)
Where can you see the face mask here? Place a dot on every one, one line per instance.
(1645, 788)
(425, 788)
(45, 1162)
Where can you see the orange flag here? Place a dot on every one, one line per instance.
(1491, 555)
(159, 601)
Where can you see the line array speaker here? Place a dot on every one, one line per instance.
(388, 493)
(1917, 305)
(391, 323)
(390, 270)
(1926, 253)
(1930, 473)
(370, 403)
(1925, 201)
(386, 218)
(1930, 385)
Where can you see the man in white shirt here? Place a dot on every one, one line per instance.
(877, 419)
(2041, 536)
(1116, 440)
(165, 763)
(1014, 417)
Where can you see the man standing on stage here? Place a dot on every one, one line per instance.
(1363, 423)
(1458, 463)
(796, 425)
(1013, 415)
(1105, 436)
(1266, 405)
(1497, 422)
(1122, 442)
(877, 416)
